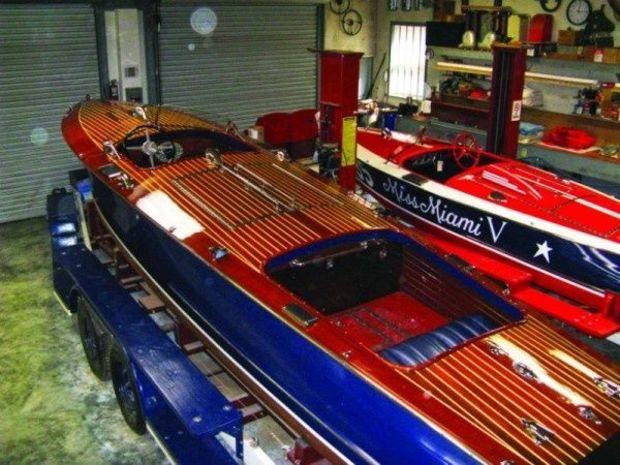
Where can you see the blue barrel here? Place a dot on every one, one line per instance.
(389, 119)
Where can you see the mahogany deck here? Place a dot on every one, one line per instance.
(475, 394)
(505, 400)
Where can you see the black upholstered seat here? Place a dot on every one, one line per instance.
(425, 347)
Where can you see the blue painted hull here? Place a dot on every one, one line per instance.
(540, 249)
(355, 417)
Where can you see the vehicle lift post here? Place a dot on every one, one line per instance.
(506, 98)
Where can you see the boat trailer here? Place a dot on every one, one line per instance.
(168, 380)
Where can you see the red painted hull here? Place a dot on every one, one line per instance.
(494, 394)
(553, 200)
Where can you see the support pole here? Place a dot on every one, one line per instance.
(339, 71)
(506, 99)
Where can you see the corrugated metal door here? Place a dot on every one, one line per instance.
(48, 61)
(254, 61)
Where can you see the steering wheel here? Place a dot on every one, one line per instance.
(164, 152)
(465, 150)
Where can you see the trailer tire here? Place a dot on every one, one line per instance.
(93, 340)
(126, 390)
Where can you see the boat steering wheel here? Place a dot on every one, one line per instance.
(164, 152)
(465, 150)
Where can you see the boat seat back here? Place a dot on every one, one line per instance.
(277, 127)
(423, 348)
(428, 165)
(425, 159)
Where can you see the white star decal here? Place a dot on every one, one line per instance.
(543, 249)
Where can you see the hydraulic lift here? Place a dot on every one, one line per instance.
(166, 381)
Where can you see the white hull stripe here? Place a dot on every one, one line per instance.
(466, 199)
(499, 252)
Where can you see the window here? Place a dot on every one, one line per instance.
(408, 61)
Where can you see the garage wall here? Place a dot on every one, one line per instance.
(364, 41)
(48, 60)
(253, 61)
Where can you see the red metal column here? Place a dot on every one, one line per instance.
(338, 91)
(506, 99)
(339, 78)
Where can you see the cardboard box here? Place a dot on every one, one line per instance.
(570, 37)
(611, 55)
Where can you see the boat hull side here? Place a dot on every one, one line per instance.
(539, 249)
(333, 400)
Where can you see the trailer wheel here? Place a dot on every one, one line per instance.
(126, 390)
(93, 341)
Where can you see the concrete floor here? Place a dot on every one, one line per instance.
(52, 410)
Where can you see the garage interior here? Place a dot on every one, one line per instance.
(422, 68)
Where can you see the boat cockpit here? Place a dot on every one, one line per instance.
(151, 145)
(441, 165)
(391, 295)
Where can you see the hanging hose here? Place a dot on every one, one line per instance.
(376, 76)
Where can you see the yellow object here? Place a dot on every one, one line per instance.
(349, 141)
(517, 27)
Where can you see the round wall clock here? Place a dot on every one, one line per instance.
(578, 11)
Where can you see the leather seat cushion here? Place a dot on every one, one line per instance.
(425, 347)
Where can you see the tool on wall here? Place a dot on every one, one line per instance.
(484, 25)
(373, 83)
(615, 6)
(599, 29)
(408, 5)
(339, 6)
(351, 20)
(550, 5)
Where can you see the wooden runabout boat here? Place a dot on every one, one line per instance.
(381, 350)
(488, 207)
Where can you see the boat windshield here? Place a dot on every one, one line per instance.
(394, 296)
(150, 146)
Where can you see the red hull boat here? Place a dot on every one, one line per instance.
(539, 234)
(380, 349)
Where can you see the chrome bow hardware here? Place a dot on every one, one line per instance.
(110, 150)
(537, 432)
(586, 412)
(218, 252)
(495, 349)
(525, 371)
(610, 388)
(139, 111)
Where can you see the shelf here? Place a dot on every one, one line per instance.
(483, 54)
(606, 131)
(474, 112)
(539, 77)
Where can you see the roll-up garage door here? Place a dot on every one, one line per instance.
(48, 61)
(238, 60)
